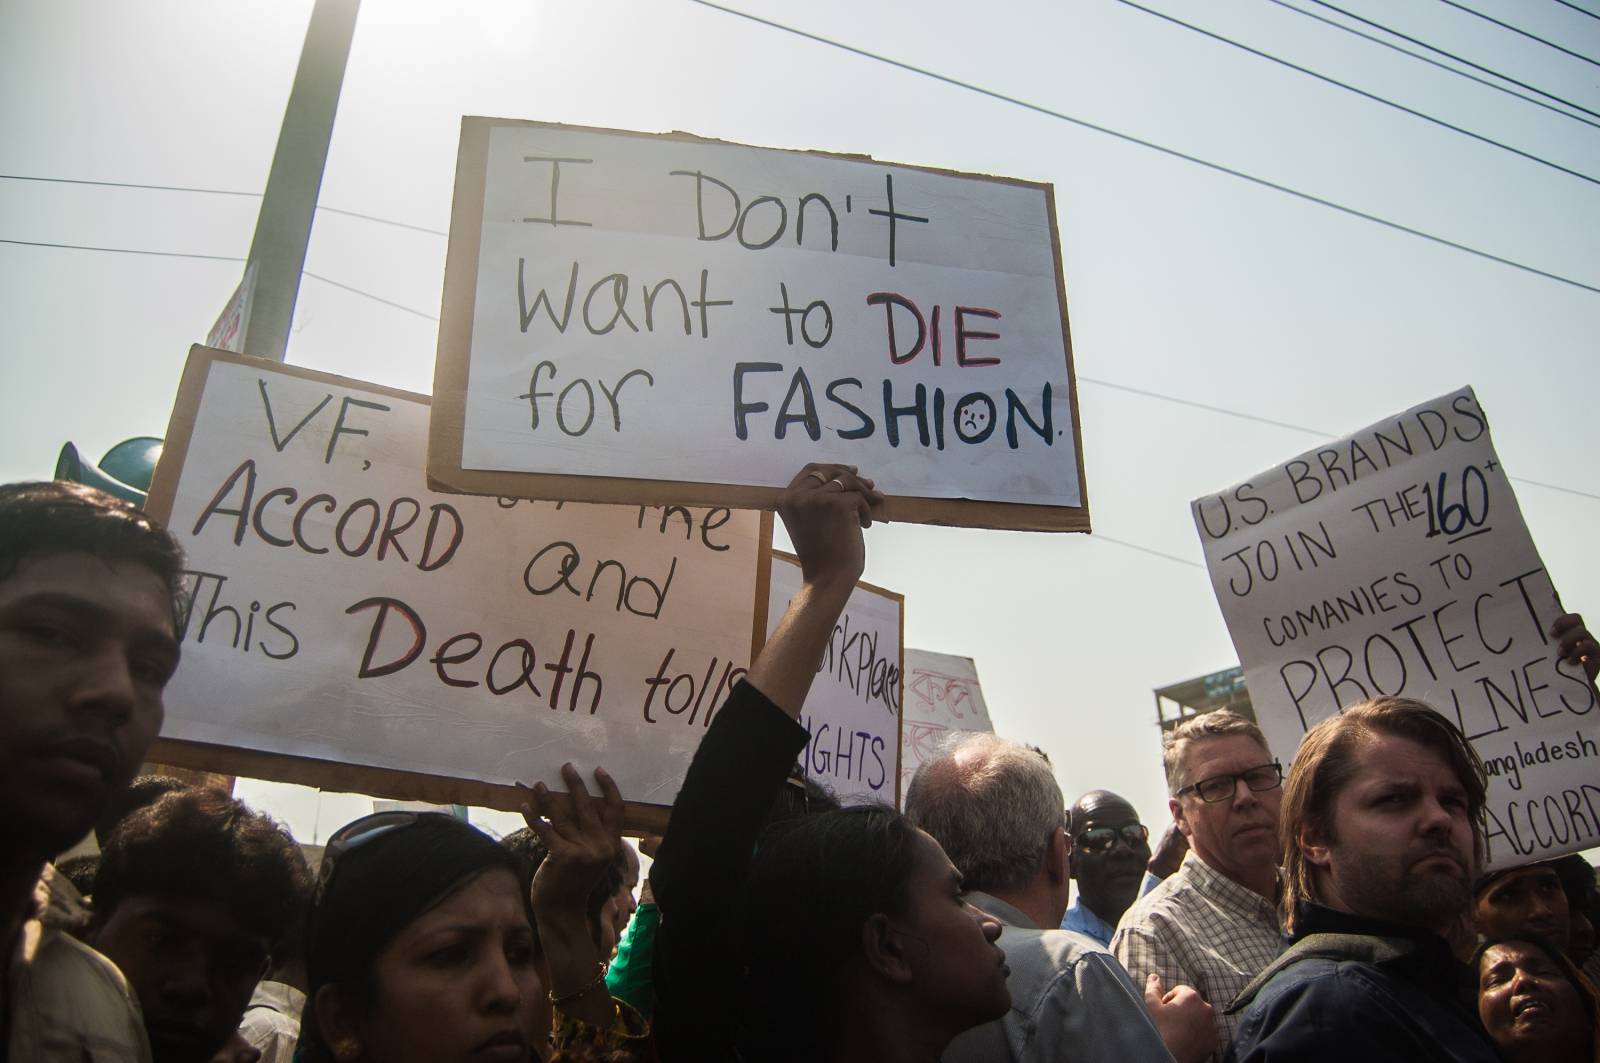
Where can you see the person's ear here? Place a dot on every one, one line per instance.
(884, 949)
(1314, 844)
(336, 1020)
(1178, 817)
(1059, 856)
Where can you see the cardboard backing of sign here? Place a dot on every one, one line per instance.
(448, 471)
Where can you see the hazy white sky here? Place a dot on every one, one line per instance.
(1181, 280)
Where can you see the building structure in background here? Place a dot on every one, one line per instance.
(1207, 693)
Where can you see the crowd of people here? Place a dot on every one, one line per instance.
(1335, 909)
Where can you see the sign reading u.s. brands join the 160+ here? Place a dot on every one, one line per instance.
(625, 311)
(1396, 562)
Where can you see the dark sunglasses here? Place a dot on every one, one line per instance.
(355, 834)
(1102, 839)
(1223, 787)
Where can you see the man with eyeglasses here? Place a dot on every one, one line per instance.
(1110, 862)
(1214, 924)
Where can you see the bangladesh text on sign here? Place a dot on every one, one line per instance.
(632, 317)
(360, 632)
(1396, 562)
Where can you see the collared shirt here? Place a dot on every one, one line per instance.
(1200, 928)
(67, 1003)
(1080, 919)
(1070, 1000)
(272, 1020)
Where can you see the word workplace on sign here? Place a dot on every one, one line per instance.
(343, 612)
(852, 713)
(664, 308)
(1396, 562)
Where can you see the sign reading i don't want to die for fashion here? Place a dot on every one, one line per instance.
(648, 318)
(1396, 561)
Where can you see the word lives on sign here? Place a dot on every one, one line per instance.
(1396, 562)
(344, 613)
(852, 712)
(632, 316)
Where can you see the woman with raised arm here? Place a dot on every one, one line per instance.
(834, 936)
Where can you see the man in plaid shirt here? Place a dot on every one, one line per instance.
(1213, 925)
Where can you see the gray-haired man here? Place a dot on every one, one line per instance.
(996, 809)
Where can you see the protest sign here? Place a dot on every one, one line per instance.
(852, 712)
(1396, 562)
(661, 318)
(942, 696)
(354, 631)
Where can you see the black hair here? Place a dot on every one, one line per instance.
(201, 844)
(144, 790)
(53, 517)
(814, 882)
(80, 871)
(374, 890)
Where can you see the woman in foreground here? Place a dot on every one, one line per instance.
(1536, 1005)
(842, 935)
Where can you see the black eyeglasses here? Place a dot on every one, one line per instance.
(355, 834)
(1223, 787)
(1103, 839)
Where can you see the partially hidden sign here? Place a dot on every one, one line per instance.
(353, 630)
(852, 713)
(942, 697)
(632, 317)
(1396, 562)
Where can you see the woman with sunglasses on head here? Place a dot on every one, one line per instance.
(838, 935)
(422, 944)
(1535, 1005)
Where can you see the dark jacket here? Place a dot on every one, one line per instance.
(1350, 988)
(699, 873)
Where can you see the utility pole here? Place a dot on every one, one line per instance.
(264, 306)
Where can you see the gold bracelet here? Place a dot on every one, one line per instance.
(568, 998)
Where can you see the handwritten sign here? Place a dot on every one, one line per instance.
(853, 710)
(1396, 561)
(344, 616)
(942, 696)
(631, 317)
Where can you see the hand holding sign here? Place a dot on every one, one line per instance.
(821, 509)
(1577, 646)
(582, 833)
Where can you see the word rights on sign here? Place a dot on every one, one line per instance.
(1396, 562)
(664, 308)
(345, 613)
(852, 713)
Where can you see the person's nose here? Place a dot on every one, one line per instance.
(105, 685)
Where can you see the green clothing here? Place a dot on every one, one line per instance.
(629, 977)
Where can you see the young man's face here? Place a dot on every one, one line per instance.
(1106, 861)
(193, 966)
(1529, 900)
(86, 648)
(1400, 845)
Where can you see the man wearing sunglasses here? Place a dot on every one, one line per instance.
(1110, 856)
(1213, 925)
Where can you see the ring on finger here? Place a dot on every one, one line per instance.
(840, 482)
(821, 476)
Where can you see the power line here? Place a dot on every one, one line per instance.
(1451, 55)
(1100, 537)
(1153, 146)
(1294, 427)
(123, 250)
(1433, 62)
(1225, 411)
(1363, 93)
(1521, 32)
(211, 192)
(1579, 10)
